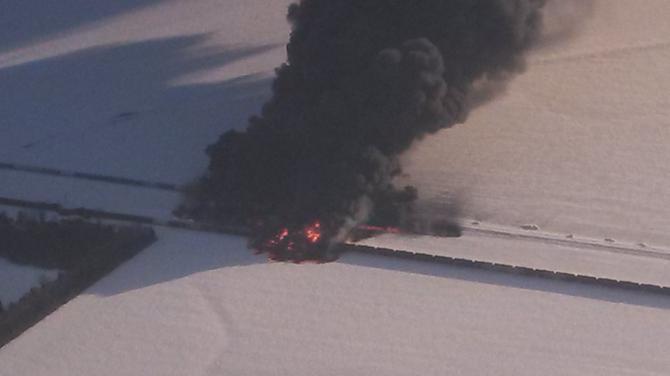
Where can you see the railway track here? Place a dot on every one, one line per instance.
(526, 235)
(510, 269)
(348, 247)
(544, 238)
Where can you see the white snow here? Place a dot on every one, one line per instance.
(133, 88)
(197, 304)
(17, 280)
(75, 193)
(577, 145)
(627, 264)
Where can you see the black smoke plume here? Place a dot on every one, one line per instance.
(363, 81)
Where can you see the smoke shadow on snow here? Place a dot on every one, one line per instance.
(496, 278)
(26, 21)
(121, 109)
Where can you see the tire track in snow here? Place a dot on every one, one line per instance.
(226, 328)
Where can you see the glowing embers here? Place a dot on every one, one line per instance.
(306, 243)
(313, 232)
(277, 239)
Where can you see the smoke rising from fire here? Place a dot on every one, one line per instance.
(363, 81)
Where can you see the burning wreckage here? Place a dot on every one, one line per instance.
(295, 244)
(363, 81)
(311, 242)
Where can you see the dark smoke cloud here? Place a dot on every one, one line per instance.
(363, 81)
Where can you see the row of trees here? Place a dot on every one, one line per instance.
(83, 251)
(50, 244)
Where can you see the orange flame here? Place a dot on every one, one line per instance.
(313, 232)
(299, 245)
(282, 235)
(274, 241)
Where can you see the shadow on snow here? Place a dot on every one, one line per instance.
(177, 254)
(27, 21)
(496, 278)
(120, 109)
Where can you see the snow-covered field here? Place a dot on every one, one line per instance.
(132, 88)
(577, 145)
(75, 193)
(619, 262)
(17, 280)
(198, 304)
